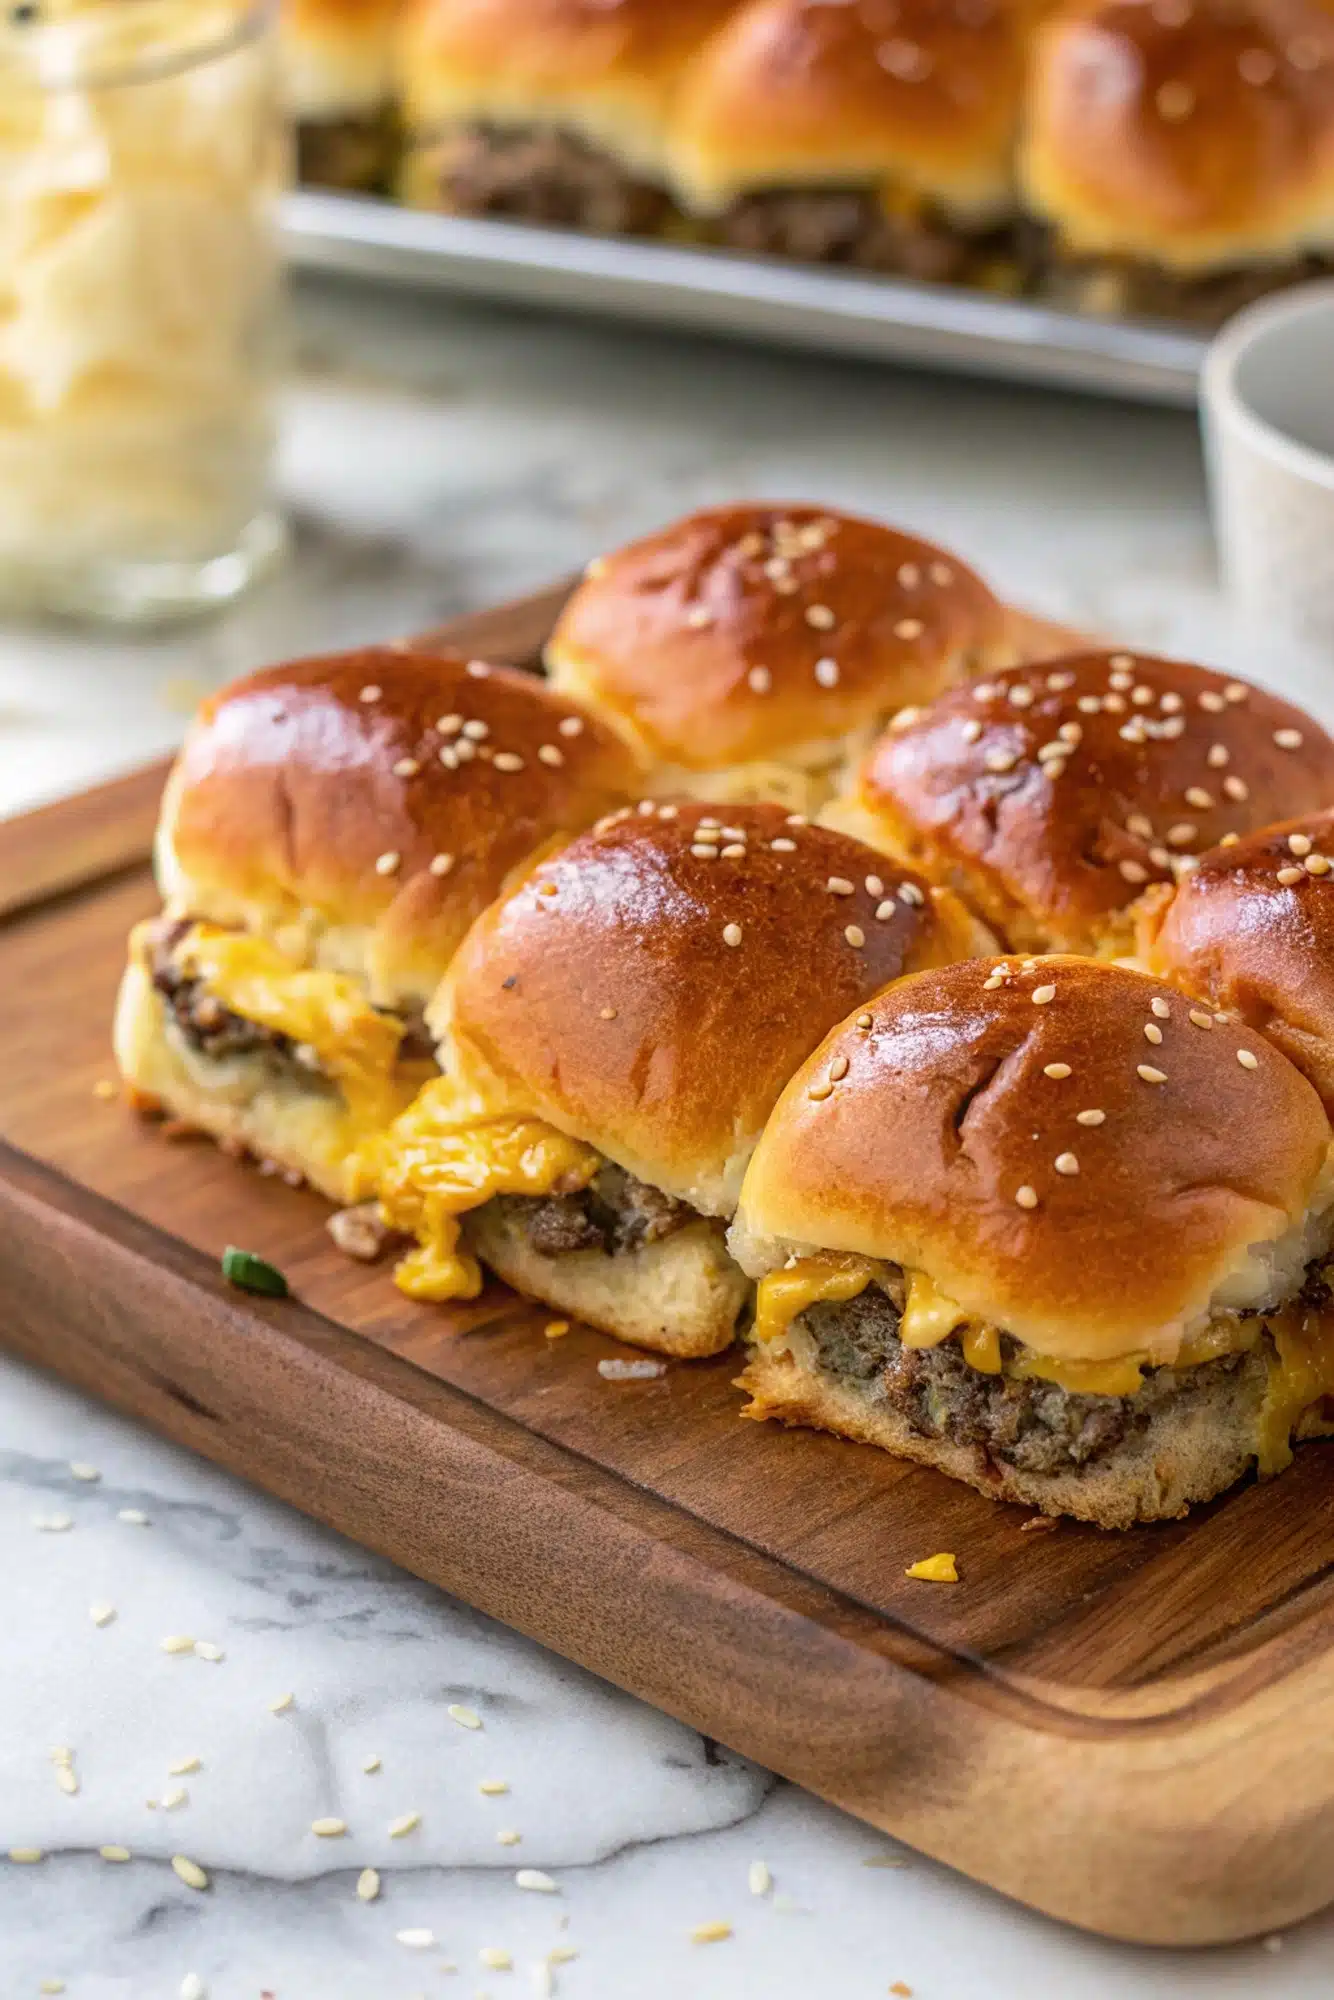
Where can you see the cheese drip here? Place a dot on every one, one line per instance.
(1303, 1377)
(930, 1317)
(439, 1160)
(357, 1046)
(785, 1294)
(1081, 1378)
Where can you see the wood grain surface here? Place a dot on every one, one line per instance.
(1134, 1732)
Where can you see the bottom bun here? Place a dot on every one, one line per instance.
(248, 1103)
(681, 1295)
(1194, 1445)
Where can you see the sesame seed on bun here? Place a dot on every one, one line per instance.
(1251, 931)
(744, 649)
(366, 806)
(329, 831)
(1191, 134)
(1051, 797)
(947, 1108)
(612, 1037)
(1046, 1226)
(908, 97)
(650, 988)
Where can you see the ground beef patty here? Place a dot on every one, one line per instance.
(1034, 1426)
(849, 226)
(540, 175)
(200, 1016)
(534, 174)
(614, 1212)
(216, 1032)
(1124, 288)
(357, 154)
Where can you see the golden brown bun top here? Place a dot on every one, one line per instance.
(336, 56)
(920, 94)
(1166, 759)
(606, 68)
(311, 800)
(1186, 132)
(948, 1119)
(651, 988)
(1252, 931)
(753, 631)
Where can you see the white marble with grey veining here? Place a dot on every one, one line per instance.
(438, 458)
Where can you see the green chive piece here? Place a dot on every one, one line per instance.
(251, 1274)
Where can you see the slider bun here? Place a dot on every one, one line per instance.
(1189, 133)
(680, 1296)
(1053, 854)
(688, 643)
(603, 995)
(337, 56)
(285, 814)
(920, 94)
(1185, 1448)
(605, 73)
(1263, 949)
(946, 1110)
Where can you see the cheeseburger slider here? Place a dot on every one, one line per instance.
(330, 830)
(1051, 797)
(879, 135)
(1181, 152)
(1052, 1228)
(551, 111)
(614, 1034)
(337, 61)
(1251, 931)
(747, 651)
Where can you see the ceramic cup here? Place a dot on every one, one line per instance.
(1268, 415)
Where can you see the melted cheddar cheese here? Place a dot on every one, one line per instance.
(439, 1160)
(1081, 1378)
(929, 1315)
(357, 1046)
(982, 1349)
(785, 1294)
(1303, 1340)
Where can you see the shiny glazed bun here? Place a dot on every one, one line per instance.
(606, 70)
(1053, 1229)
(329, 831)
(920, 96)
(337, 56)
(650, 989)
(361, 810)
(1251, 930)
(745, 649)
(1187, 133)
(951, 1142)
(1050, 797)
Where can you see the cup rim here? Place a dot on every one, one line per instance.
(63, 55)
(1222, 397)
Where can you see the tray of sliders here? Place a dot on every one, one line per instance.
(766, 1122)
(1072, 193)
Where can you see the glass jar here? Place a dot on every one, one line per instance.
(142, 152)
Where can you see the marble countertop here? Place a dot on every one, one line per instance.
(438, 458)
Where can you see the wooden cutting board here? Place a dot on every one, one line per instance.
(1133, 1732)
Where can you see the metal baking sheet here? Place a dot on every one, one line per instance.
(751, 298)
